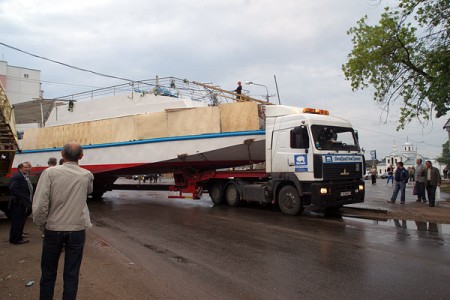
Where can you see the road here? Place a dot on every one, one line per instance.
(201, 251)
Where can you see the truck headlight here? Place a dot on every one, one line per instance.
(324, 190)
(361, 187)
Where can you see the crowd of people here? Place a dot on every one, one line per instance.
(426, 180)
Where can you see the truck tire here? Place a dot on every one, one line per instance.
(8, 214)
(97, 195)
(289, 201)
(216, 193)
(4, 208)
(232, 195)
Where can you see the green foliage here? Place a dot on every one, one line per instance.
(445, 157)
(405, 62)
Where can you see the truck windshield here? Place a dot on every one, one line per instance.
(334, 138)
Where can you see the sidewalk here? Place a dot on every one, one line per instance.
(105, 273)
(375, 205)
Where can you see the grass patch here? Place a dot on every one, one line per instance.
(445, 189)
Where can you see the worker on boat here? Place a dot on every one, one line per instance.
(238, 90)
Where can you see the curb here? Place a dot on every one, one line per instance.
(376, 210)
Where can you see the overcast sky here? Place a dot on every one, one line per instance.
(303, 42)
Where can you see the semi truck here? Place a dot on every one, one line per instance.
(311, 158)
(250, 151)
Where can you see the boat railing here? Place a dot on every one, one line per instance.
(167, 86)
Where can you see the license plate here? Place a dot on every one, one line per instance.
(346, 193)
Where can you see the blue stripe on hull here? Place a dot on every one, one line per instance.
(157, 140)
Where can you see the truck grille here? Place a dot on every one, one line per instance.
(342, 171)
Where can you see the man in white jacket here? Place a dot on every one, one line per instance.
(420, 181)
(60, 211)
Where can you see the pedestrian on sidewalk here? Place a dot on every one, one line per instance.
(420, 181)
(390, 171)
(401, 179)
(21, 191)
(412, 171)
(433, 180)
(374, 174)
(60, 210)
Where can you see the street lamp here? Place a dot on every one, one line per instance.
(417, 148)
(267, 91)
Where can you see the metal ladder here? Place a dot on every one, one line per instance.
(8, 134)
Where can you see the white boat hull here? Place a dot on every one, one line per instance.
(199, 152)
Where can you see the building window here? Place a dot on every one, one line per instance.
(26, 75)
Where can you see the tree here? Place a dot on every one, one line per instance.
(445, 157)
(406, 57)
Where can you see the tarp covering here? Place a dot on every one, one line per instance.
(228, 117)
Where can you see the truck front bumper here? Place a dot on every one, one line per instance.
(336, 194)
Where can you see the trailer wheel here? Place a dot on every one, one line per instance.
(232, 195)
(216, 193)
(289, 201)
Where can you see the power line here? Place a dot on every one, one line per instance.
(66, 65)
(16, 78)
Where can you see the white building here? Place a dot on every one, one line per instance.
(21, 84)
(23, 89)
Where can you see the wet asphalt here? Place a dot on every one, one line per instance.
(203, 251)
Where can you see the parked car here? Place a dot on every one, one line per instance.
(367, 176)
(384, 175)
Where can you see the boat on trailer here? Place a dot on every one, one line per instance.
(149, 127)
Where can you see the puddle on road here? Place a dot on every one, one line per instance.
(407, 224)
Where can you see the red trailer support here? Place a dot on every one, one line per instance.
(190, 185)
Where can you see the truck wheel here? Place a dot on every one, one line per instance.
(4, 208)
(289, 201)
(97, 195)
(232, 195)
(8, 213)
(216, 193)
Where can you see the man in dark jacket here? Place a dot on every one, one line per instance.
(401, 179)
(21, 190)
